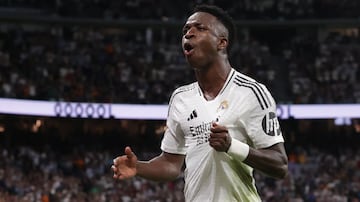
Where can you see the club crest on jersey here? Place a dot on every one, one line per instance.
(223, 105)
(221, 109)
(270, 124)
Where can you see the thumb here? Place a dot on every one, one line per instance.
(128, 152)
(215, 126)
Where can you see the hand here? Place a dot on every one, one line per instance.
(124, 167)
(219, 139)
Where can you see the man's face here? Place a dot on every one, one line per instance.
(202, 38)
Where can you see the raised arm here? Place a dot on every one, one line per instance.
(165, 167)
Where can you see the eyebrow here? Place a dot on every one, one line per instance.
(193, 24)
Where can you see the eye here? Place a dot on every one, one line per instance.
(201, 28)
(185, 29)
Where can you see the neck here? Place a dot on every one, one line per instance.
(212, 79)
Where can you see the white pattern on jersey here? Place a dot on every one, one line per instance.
(247, 109)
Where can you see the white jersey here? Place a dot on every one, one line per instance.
(247, 109)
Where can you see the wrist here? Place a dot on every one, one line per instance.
(238, 149)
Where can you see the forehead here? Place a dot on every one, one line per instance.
(201, 18)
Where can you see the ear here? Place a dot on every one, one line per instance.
(223, 43)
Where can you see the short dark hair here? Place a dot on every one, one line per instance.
(222, 16)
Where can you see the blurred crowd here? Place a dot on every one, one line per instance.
(88, 65)
(53, 165)
(84, 64)
(144, 65)
(30, 175)
(326, 71)
(176, 9)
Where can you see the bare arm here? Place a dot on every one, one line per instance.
(165, 167)
(272, 161)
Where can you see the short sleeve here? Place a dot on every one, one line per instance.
(262, 124)
(173, 140)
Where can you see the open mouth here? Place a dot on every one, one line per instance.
(188, 48)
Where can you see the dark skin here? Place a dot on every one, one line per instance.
(208, 39)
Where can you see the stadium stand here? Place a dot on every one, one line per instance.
(86, 64)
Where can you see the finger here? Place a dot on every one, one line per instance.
(217, 138)
(115, 161)
(220, 138)
(214, 142)
(216, 145)
(129, 152)
(219, 134)
(219, 146)
(118, 177)
(214, 136)
(113, 168)
(115, 175)
(216, 128)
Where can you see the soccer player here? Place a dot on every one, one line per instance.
(222, 126)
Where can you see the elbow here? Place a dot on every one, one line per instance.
(279, 173)
(282, 170)
(173, 174)
(172, 177)
(279, 170)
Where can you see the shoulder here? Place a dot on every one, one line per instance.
(182, 91)
(255, 90)
(242, 78)
(184, 88)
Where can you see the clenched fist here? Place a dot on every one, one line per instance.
(219, 139)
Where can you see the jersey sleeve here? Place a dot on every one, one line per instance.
(173, 140)
(262, 124)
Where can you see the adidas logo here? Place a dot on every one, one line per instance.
(192, 115)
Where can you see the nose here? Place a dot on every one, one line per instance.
(189, 33)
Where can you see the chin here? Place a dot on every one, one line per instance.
(198, 65)
(195, 63)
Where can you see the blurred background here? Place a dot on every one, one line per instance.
(129, 52)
